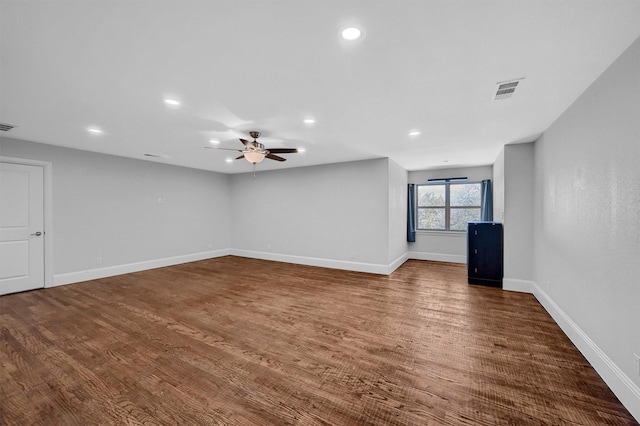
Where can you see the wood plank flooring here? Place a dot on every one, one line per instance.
(236, 341)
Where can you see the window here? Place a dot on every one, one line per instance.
(448, 206)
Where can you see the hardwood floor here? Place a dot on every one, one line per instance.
(239, 341)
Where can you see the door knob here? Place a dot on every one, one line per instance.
(37, 234)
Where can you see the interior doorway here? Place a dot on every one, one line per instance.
(22, 227)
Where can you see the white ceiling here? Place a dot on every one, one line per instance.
(238, 65)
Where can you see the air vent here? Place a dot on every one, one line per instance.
(506, 89)
(6, 127)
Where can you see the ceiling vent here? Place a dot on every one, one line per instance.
(6, 127)
(506, 89)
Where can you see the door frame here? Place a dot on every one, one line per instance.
(48, 212)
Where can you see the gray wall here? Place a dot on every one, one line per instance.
(498, 188)
(444, 246)
(137, 215)
(513, 206)
(587, 223)
(127, 212)
(398, 246)
(334, 215)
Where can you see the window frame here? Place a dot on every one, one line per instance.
(447, 206)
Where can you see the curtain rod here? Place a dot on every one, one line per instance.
(446, 179)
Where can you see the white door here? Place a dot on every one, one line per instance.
(21, 227)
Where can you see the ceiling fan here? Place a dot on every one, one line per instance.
(254, 152)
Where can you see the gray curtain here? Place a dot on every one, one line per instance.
(411, 209)
(486, 209)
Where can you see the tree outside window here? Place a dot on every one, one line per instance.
(447, 206)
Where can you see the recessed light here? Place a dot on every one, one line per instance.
(414, 133)
(94, 131)
(214, 141)
(172, 102)
(309, 121)
(351, 34)
(229, 160)
(301, 150)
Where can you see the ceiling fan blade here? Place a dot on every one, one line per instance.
(275, 157)
(242, 156)
(282, 150)
(224, 149)
(247, 143)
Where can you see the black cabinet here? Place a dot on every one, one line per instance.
(485, 253)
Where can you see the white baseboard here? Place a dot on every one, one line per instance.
(522, 286)
(110, 271)
(439, 257)
(620, 384)
(372, 268)
(398, 262)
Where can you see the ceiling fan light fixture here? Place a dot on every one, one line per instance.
(254, 157)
